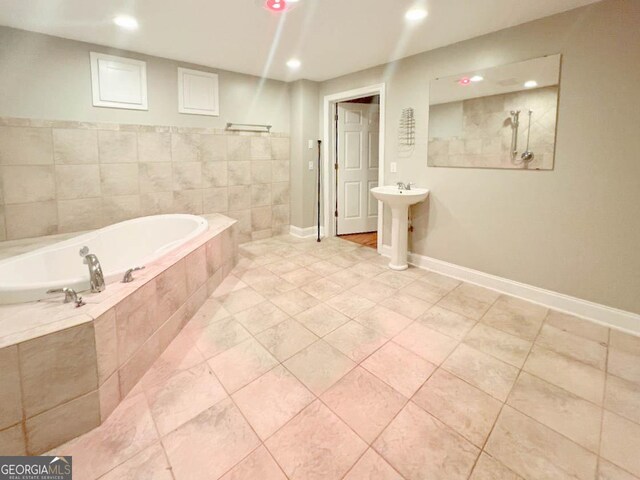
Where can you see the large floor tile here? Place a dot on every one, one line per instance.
(210, 444)
(241, 299)
(421, 447)
(506, 347)
(183, 396)
(373, 290)
(558, 409)
(536, 452)
(356, 341)
(272, 400)
(242, 364)
(395, 279)
(316, 444)
(515, 316)
(372, 466)
(398, 367)
(573, 346)
(625, 342)
(488, 468)
(578, 326)
(383, 320)
(624, 364)
(620, 440)
(294, 301)
(350, 304)
(364, 402)
(429, 344)
(445, 321)
(262, 316)
(407, 305)
(322, 289)
(489, 374)
(260, 465)
(219, 337)
(466, 409)
(286, 339)
(622, 397)
(319, 366)
(609, 471)
(151, 463)
(576, 377)
(321, 319)
(469, 300)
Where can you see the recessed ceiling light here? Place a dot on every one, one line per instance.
(415, 14)
(294, 64)
(276, 5)
(126, 21)
(530, 84)
(464, 81)
(477, 78)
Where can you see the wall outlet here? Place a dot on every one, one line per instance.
(393, 167)
(310, 165)
(310, 146)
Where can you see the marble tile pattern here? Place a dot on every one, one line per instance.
(59, 176)
(66, 377)
(479, 134)
(357, 387)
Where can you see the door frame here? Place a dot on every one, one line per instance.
(329, 156)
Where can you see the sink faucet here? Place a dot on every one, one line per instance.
(405, 186)
(96, 277)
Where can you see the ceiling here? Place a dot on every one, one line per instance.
(330, 37)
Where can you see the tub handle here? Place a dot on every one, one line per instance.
(70, 295)
(128, 275)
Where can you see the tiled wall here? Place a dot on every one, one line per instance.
(484, 131)
(60, 385)
(62, 177)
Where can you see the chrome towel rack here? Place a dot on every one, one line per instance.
(248, 127)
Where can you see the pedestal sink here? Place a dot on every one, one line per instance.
(399, 201)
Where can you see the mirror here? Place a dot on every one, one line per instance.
(500, 117)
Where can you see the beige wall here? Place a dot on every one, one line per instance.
(50, 78)
(575, 229)
(60, 177)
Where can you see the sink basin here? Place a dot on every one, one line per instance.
(394, 197)
(399, 201)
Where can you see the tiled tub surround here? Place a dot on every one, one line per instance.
(479, 130)
(315, 361)
(62, 177)
(64, 370)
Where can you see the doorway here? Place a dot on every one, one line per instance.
(353, 164)
(356, 168)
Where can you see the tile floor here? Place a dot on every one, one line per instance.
(314, 361)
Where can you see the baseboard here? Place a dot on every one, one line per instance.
(307, 232)
(598, 313)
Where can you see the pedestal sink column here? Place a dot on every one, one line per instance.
(399, 238)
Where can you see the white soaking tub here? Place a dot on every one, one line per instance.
(121, 246)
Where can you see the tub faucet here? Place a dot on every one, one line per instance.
(70, 295)
(96, 277)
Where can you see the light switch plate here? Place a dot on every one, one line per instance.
(310, 165)
(310, 144)
(393, 166)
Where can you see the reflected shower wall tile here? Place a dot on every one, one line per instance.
(215, 174)
(215, 200)
(155, 203)
(238, 148)
(260, 195)
(119, 179)
(280, 215)
(118, 209)
(239, 173)
(25, 146)
(78, 215)
(77, 181)
(187, 175)
(72, 146)
(240, 197)
(261, 172)
(117, 147)
(261, 218)
(188, 201)
(280, 170)
(31, 220)
(280, 193)
(156, 177)
(30, 183)
(213, 148)
(154, 147)
(185, 147)
(260, 148)
(244, 219)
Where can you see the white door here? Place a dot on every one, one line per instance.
(357, 172)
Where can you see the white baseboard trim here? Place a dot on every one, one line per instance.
(307, 232)
(598, 313)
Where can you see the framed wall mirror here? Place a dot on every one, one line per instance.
(500, 117)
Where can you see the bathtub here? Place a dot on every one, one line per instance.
(121, 246)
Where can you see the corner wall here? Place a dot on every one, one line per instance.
(573, 230)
